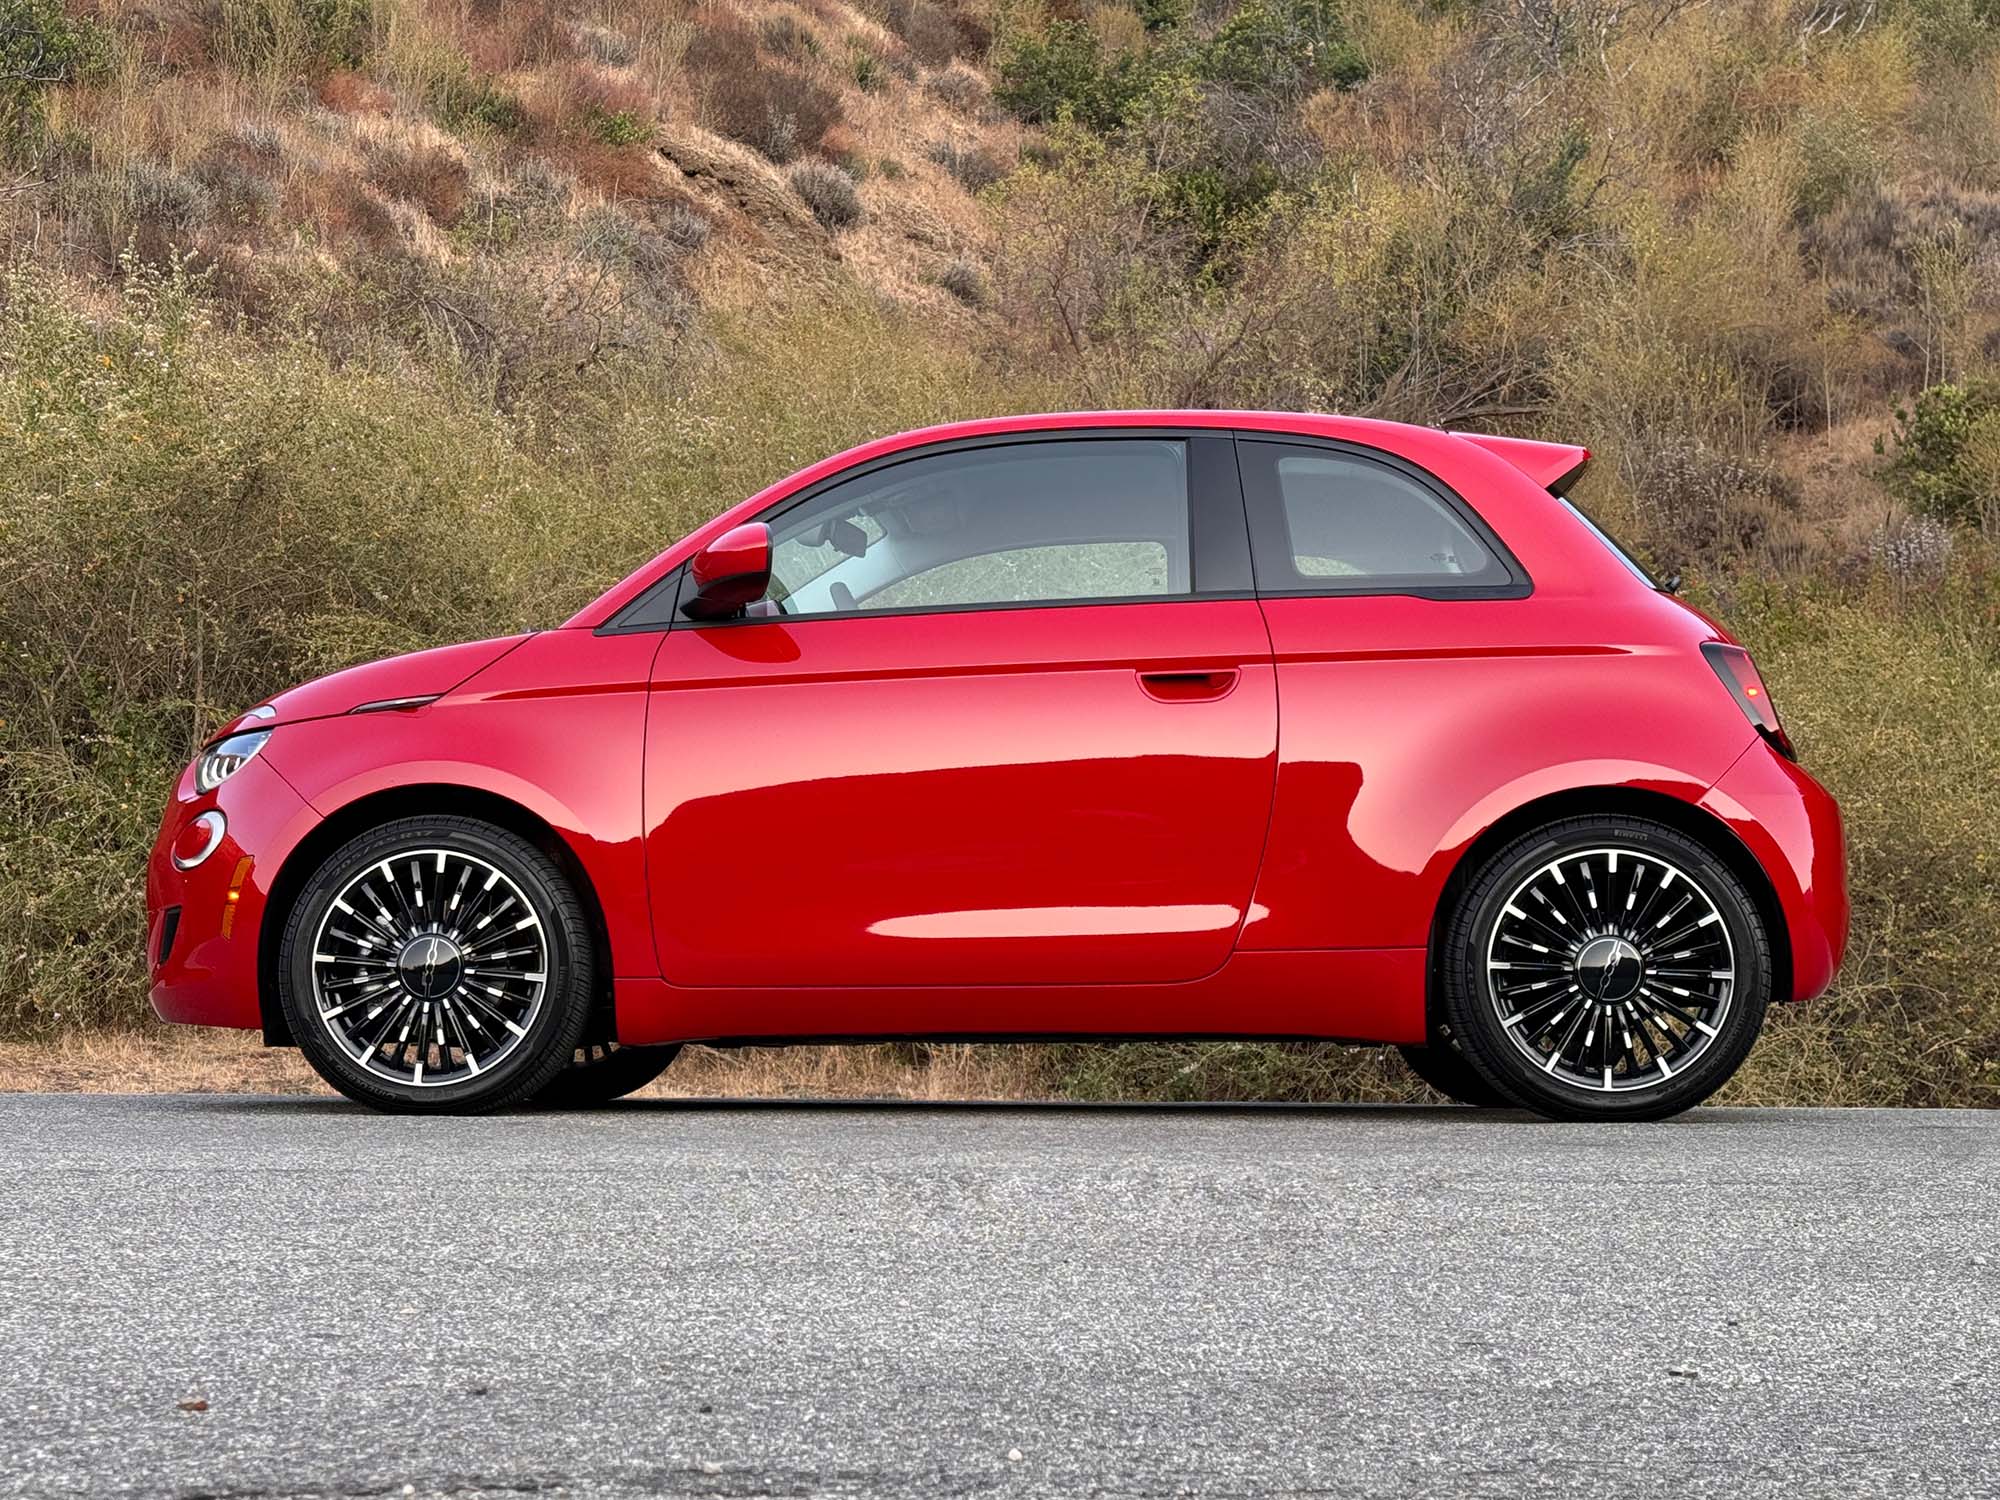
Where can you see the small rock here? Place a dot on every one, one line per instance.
(1979, 1260)
(710, 1466)
(1013, 1455)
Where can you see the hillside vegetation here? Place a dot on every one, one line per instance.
(336, 327)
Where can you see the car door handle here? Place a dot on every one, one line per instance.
(1188, 687)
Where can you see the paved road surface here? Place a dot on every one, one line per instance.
(750, 1301)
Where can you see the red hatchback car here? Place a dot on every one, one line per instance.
(1104, 725)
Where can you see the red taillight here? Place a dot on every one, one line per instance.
(1739, 674)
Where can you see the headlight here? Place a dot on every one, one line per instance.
(220, 762)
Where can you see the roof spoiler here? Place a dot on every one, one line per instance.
(1553, 466)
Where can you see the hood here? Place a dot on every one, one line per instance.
(418, 674)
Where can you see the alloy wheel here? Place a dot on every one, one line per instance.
(430, 967)
(1611, 969)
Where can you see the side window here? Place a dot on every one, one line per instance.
(1323, 521)
(1015, 523)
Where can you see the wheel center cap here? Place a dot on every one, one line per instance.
(1609, 968)
(430, 966)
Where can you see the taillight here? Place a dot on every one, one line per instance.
(1739, 674)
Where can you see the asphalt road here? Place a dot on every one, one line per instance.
(769, 1300)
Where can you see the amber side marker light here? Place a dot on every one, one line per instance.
(1739, 674)
(234, 895)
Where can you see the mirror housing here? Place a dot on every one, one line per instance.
(730, 572)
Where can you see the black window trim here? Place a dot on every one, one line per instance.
(1518, 586)
(1218, 532)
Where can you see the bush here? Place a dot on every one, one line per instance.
(931, 33)
(464, 102)
(785, 35)
(687, 229)
(963, 280)
(974, 167)
(779, 111)
(959, 89)
(828, 192)
(40, 47)
(1947, 452)
(1063, 72)
(618, 127)
(1288, 47)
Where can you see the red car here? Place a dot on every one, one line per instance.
(1101, 725)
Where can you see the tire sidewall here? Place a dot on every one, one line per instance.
(1466, 1010)
(566, 1001)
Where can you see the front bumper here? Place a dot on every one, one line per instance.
(1792, 825)
(203, 925)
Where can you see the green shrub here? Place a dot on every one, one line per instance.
(1285, 47)
(41, 47)
(618, 127)
(1947, 451)
(1063, 72)
(462, 101)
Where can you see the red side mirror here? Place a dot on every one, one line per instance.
(730, 572)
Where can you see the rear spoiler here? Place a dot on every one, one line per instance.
(1553, 466)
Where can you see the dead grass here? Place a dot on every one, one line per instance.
(185, 1060)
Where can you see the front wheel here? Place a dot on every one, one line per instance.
(437, 965)
(1604, 968)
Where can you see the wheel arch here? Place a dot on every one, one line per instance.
(1699, 824)
(444, 799)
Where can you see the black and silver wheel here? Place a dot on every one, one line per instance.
(1440, 1066)
(437, 965)
(600, 1071)
(1605, 968)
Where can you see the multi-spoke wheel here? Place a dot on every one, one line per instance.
(1605, 967)
(601, 1071)
(437, 964)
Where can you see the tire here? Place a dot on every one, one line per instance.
(1604, 968)
(440, 925)
(602, 1071)
(1443, 1069)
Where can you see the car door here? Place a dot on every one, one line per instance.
(1403, 636)
(1008, 717)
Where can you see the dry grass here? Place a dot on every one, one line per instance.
(186, 1060)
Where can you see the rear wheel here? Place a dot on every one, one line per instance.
(1444, 1070)
(437, 965)
(1604, 968)
(602, 1071)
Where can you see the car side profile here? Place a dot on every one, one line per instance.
(1098, 725)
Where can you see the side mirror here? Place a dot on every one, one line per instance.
(730, 572)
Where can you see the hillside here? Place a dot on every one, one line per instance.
(301, 290)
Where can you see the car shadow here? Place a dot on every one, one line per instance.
(303, 1104)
